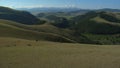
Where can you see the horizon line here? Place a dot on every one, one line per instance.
(59, 7)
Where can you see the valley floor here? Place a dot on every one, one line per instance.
(20, 53)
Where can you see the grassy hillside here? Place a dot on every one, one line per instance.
(20, 53)
(60, 29)
(23, 31)
(40, 32)
(97, 23)
(18, 16)
(101, 27)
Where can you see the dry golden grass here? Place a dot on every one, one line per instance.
(20, 53)
(101, 20)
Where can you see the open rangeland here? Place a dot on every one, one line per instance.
(20, 53)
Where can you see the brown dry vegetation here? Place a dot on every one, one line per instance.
(20, 53)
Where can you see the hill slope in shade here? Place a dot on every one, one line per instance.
(18, 16)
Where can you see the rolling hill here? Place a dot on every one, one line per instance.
(90, 28)
(17, 30)
(45, 32)
(18, 16)
(97, 23)
(103, 27)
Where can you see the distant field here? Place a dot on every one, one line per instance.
(20, 53)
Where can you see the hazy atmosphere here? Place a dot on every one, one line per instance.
(85, 4)
(59, 33)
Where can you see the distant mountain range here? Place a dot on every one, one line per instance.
(74, 10)
(51, 9)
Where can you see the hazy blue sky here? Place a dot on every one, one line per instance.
(86, 4)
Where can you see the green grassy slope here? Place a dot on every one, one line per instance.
(102, 27)
(37, 32)
(20, 53)
(97, 23)
(82, 29)
(12, 29)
